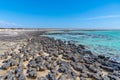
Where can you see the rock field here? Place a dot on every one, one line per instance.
(29, 56)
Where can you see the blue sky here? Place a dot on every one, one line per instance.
(60, 14)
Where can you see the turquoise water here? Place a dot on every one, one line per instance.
(99, 42)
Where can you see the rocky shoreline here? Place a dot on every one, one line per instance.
(36, 57)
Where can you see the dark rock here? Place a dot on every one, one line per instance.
(82, 78)
(92, 68)
(112, 77)
(46, 58)
(42, 78)
(55, 54)
(31, 73)
(49, 65)
(116, 73)
(39, 59)
(25, 58)
(51, 76)
(95, 76)
(18, 70)
(62, 69)
(73, 64)
(101, 56)
(105, 78)
(21, 77)
(5, 66)
(110, 64)
(107, 68)
(32, 64)
(66, 77)
(89, 60)
(59, 62)
(40, 67)
(13, 63)
(85, 75)
(81, 46)
(8, 63)
(53, 58)
(80, 68)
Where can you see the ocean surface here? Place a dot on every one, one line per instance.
(104, 42)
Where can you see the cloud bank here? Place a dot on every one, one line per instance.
(103, 17)
(4, 24)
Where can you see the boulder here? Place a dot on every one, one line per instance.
(31, 73)
(42, 78)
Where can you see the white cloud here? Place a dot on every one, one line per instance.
(4, 24)
(103, 17)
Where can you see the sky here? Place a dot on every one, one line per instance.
(85, 14)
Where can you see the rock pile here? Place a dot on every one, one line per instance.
(44, 58)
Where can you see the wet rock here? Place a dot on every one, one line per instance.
(3, 56)
(105, 78)
(63, 69)
(95, 76)
(59, 62)
(116, 73)
(65, 77)
(8, 63)
(53, 58)
(31, 73)
(112, 77)
(85, 75)
(80, 68)
(89, 60)
(9, 76)
(82, 78)
(51, 76)
(42, 78)
(21, 77)
(25, 58)
(87, 52)
(40, 67)
(46, 58)
(55, 54)
(5, 66)
(15, 56)
(73, 74)
(81, 46)
(54, 64)
(32, 64)
(18, 70)
(48, 65)
(110, 69)
(92, 68)
(110, 64)
(13, 63)
(39, 59)
(101, 56)
(69, 56)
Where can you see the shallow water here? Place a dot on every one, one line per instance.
(99, 42)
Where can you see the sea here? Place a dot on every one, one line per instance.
(100, 42)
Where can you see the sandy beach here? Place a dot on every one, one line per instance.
(26, 55)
